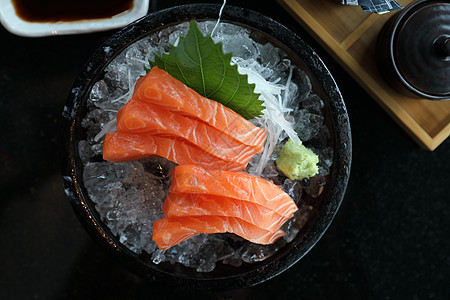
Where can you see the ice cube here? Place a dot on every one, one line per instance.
(103, 181)
(327, 155)
(321, 139)
(234, 259)
(302, 215)
(280, 70)
(238, 43)
(85, 151)
(113, 214)
(95, 120)
(303, 83)
(269, 57)
(270, 170)
(117, 76)
(307, 124)
(314, 186)
(293, 188)
(313, 104)
(131, 239)
(290, 230)
(207, 256)
(147, 244)
(255, 253)
(158, 256)
(206, 28)
(99, 91)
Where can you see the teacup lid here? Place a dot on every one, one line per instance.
(422, 48)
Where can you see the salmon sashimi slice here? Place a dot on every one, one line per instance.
(140, 117)
(184, 205)
(160, 88)
(172, 231)
(121, 147)
(236, 185)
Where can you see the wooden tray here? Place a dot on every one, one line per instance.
(349, 35)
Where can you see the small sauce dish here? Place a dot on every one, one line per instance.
(9, 17)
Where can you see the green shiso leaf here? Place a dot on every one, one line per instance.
(201, 64)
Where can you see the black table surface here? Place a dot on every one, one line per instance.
(389, 240)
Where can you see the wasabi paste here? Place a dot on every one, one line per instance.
(297, 161)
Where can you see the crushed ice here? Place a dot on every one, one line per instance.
(129, 196)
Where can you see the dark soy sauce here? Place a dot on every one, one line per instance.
(74, 10)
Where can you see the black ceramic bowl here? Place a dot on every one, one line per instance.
(223, 277)
(413, 50)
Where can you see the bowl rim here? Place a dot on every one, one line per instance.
(119, 41)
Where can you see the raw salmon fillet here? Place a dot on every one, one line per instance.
(141, 117)
(171, 231)
(159, 88)
(237, 185)
(185, 205)
(122, 146)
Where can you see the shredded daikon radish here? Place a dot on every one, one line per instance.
(218, 19)
(274, 115)
(127, 95)
(108, 127)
